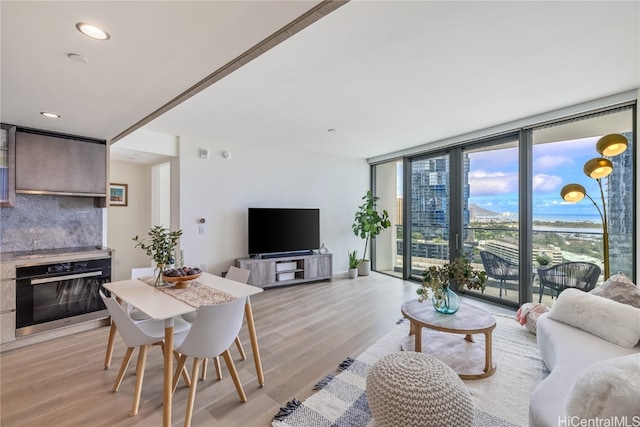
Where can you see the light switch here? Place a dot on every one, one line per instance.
(201, 229)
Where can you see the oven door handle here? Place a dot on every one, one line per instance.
(69, 277)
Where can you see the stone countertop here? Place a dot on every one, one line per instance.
(55, 254)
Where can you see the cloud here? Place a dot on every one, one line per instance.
(547, 162)
(492, 183)
(544, 183)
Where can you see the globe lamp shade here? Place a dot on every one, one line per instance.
(598, 168)
(573, 193)
(611, 145)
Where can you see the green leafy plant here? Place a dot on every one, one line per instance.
(160, 244)
(368, 222)
(543, 259)
(353, 259)
(459, 272)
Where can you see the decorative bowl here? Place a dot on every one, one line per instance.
(181, 281)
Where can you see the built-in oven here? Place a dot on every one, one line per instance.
(49, 296)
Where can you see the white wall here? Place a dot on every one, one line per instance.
(220, 190)
(124, 222)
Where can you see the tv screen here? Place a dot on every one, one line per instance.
(276, 230)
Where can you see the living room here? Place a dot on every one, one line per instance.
(273, 161)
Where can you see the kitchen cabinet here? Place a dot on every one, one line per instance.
(7, 302)
(7, 165)
(50, 163)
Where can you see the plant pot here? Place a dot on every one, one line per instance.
(364, 268)
(353, 273)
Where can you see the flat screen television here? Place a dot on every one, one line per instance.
(283, 230)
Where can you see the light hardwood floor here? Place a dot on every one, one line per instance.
(304, 332)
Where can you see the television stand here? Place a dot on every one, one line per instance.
(287, 269)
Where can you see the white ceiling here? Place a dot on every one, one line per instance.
(387, 75)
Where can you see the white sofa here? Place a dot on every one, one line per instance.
(581, 349)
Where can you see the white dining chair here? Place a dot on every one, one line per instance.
(134, 313)
(212, 333)
(242, 276)
(138, 334)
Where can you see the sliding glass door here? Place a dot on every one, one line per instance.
(491, 227)
(429, 207)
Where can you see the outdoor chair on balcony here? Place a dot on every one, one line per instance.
(581, 275)
(500, 269)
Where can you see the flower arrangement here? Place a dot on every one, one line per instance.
(459, 271)
(160, 244)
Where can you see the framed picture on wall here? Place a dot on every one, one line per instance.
(118, 194)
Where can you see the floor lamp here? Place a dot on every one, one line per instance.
(598, 168)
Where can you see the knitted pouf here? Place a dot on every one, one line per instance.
(409, 389)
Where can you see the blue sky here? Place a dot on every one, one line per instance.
(494, 183)
(493, 179)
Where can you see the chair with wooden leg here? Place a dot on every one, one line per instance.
(138, 334)
(212, 333)
(238, 275)
(134, 313)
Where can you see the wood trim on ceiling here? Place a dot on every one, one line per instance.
(315, 14)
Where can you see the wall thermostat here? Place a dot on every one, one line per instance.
(204, 153)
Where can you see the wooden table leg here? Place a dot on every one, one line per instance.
(254, 341)
(417, 329)
(168, 372)
(488, 362)
(110, 344)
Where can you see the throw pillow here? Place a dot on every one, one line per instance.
(619, 288)
(607, 389)
(608, 319)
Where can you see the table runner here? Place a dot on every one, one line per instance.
(195, 295)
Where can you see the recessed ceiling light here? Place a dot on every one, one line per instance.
(50, 115)
(92, 31)
(77, 58)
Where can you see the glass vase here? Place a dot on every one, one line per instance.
(447, 302)
(157, 273)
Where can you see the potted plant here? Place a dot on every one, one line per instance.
(353, 264)
(159, 246)
(439, 279)
(543, 259)
(368, 223)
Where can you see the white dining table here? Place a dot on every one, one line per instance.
(159, 305)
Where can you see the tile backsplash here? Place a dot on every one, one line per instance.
(49, 222)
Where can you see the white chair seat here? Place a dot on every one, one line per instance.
(142, 334)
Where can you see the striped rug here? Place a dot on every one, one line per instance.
(501, 400)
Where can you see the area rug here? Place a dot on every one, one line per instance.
(501, 400)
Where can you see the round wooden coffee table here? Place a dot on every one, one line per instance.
(463, 355)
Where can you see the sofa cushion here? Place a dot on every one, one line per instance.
(610, 320)
(619, 288)
(607, 389)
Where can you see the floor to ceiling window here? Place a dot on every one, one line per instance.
(388, 245)
(573, 232)
(501, 197)
(491, 229)
(429, 212)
